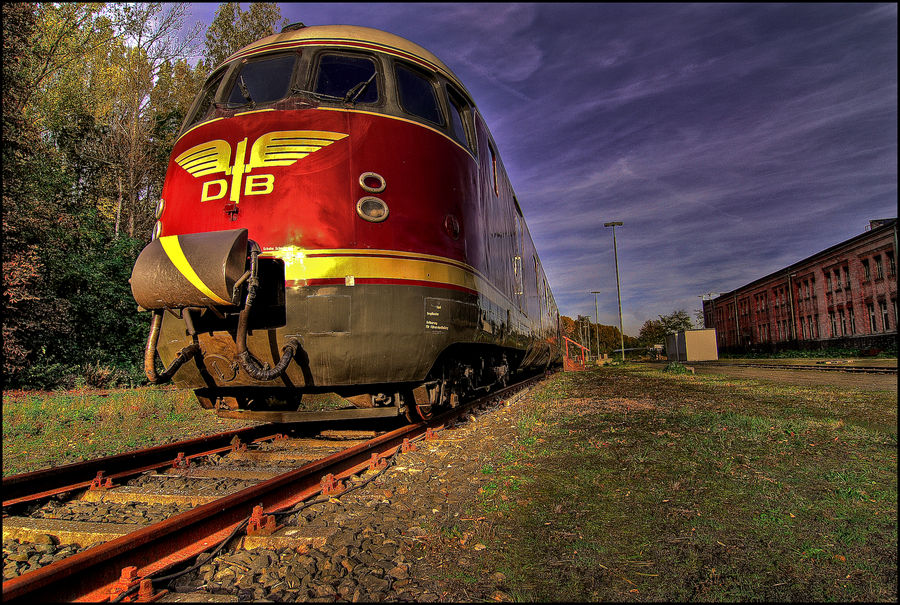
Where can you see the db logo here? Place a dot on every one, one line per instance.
(279, 148)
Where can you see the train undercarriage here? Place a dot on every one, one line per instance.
(459, 375)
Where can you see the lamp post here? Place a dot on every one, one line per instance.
(615, 224)
(597, 319)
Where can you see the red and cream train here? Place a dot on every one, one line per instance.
(336, 218)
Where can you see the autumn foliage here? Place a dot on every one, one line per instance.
(94, 95)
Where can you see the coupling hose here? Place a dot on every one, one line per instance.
(181, 358)
(251, 365)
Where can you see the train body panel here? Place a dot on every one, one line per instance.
(390, 243)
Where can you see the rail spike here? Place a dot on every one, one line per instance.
(260, 524)
(376, 462)
(331, 486)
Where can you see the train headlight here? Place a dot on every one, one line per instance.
(160, 206)
(157, 230)
(372, 209)
(372, 182)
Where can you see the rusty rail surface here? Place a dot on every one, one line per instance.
(92, 574)
(27, 487)
(817, 367)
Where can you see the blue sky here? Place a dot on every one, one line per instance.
(731, 139)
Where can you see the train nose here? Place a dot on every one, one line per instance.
(194, 270)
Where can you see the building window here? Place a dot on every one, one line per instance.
(872, 327)
(809, 326)
(833, 324)
(852, 320)
(879, 268)
(892, 267)
(885, 320)
(828, 282)
(866, 273)
(847, 278)
(816, 325)
(843, 322)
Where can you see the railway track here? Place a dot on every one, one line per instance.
(817, 367)
(161, 508)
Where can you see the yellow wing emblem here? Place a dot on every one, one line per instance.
(284, 147)
(206, 158)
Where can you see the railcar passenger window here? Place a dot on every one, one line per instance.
(494, 170)
(343, 75)
(417, 95)
(262, 81)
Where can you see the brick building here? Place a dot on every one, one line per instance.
(844, 296)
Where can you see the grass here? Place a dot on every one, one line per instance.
(634, 484)
(43, 429)
(52, 428)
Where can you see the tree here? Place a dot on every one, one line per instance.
(232, 29)
(582, 331)
(81, 133)
(151, 31)
(699, 319)
(676, 321)
(654, 330)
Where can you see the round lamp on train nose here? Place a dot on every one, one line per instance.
(160, 206)
(372, 209)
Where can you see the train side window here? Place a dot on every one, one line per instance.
(346, 76)
(417, 95)
(494, 170)
(263, 80)
(204, 102)
(460, 118)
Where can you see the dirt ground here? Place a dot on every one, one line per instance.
(850, 380)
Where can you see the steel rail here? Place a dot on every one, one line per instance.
(91, 574)
(823, 368)
(60, 479)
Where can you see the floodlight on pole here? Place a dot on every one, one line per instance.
(597, 319)
(615, 224)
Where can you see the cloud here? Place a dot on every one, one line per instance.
(731, 139)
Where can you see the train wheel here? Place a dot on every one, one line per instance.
(416, 412)
(426, 412)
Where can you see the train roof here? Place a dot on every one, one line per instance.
(351, 36)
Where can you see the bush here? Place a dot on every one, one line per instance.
(673, 367)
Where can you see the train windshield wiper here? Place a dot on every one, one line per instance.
(230, 105)
(244, 90)
(357, 90)
(316, 95)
